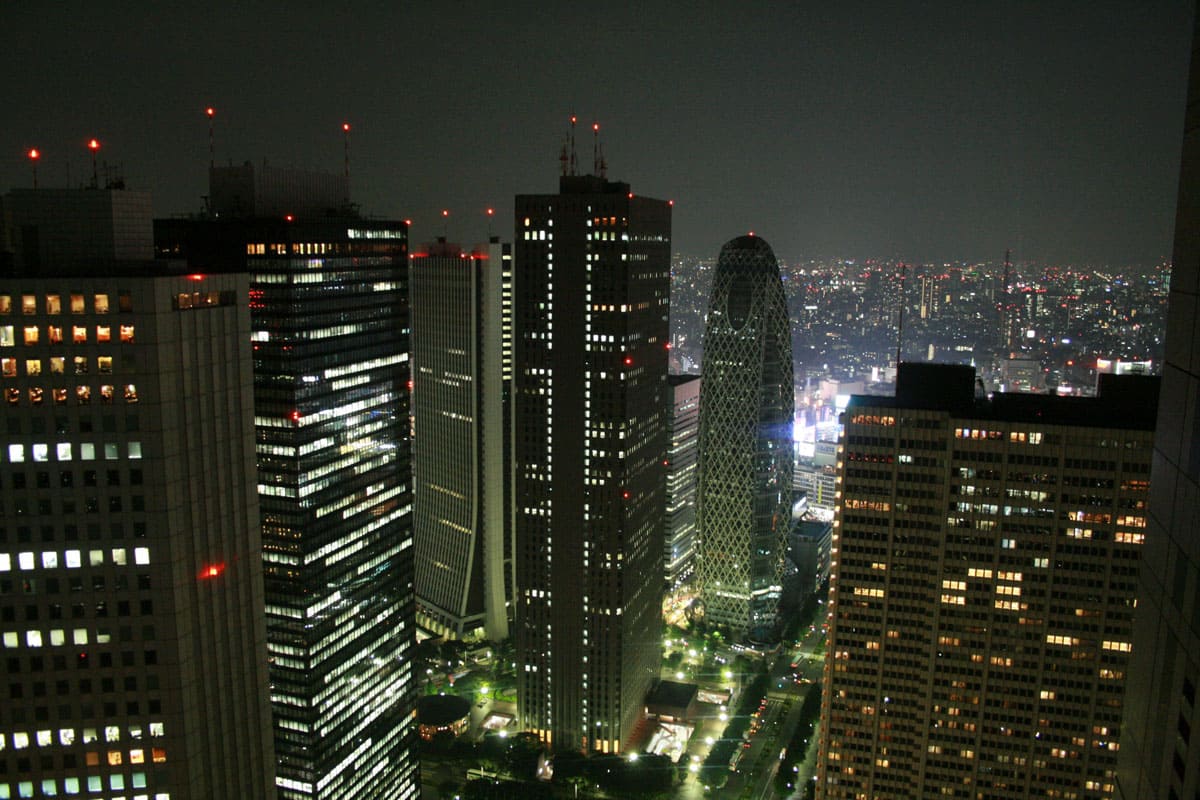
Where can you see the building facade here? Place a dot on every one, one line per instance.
(679, 530)
(1160, 744)
(462, 369)
(983, 582)
(746, 452)
(131, 590)
(330, 333)
(590, 440)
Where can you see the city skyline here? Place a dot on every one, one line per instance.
(937, 132)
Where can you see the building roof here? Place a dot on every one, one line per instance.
(673, 694)
(442, 709)
(1122, 401)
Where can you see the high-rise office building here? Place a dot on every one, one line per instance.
(462, 370)
(329, 326)
(131, 589)
(1160, 744)
(747, 403)
(679, 527)
(982, 588)
(590, 440)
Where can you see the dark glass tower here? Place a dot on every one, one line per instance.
(745, 493)
(590, 444)
(1160, 736)
(329, 325)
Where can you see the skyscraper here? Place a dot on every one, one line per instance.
(462, 371)
(747, 403)
(1160, 743)
(590, 440)
(329, 325)
(982, 587)
(131, 590)
(679, 547)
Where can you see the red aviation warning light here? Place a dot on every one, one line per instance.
(346, 127)
(34, 154)
(93, 144)
(212, 571)
(491, 212)
(210, 112)
(295, 416)
(445, 212)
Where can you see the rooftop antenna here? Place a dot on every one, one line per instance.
(346, 157)
(574, 160)
(595, 148)
(445, 221)
(1006, 302)
(346, 147)
(34, 154)
(603, 163)
(94, 145)
(900, 324)
(211, 112)
(562, 156)
(491, 214)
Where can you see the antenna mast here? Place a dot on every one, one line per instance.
(211, 112)
(900, 324)
(574, 160)
(595, 148)
(1006, 313)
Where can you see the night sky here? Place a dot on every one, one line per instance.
(924, 131)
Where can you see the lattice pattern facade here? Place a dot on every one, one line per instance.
(747, 402)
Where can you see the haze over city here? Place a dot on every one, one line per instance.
(926, 131)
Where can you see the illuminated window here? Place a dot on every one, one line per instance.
(104, 333)
(55, 334)
(13, 396)
(81, 365)
(28, 304)
(53, 304)
(127, 333)
(114, 758)
(6, 336)
(77, 304)
(101, 303)
(83, 394)
(58, 365)
(9, 367)
(158, 754)
(131, 395)
(78, 334)
(16, 453)
(33, 366)
(5, 304)
(31, 334)
(36, 395)
(60, 396)
(104, 365)
(106, 393)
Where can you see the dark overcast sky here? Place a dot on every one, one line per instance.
(916, 130)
